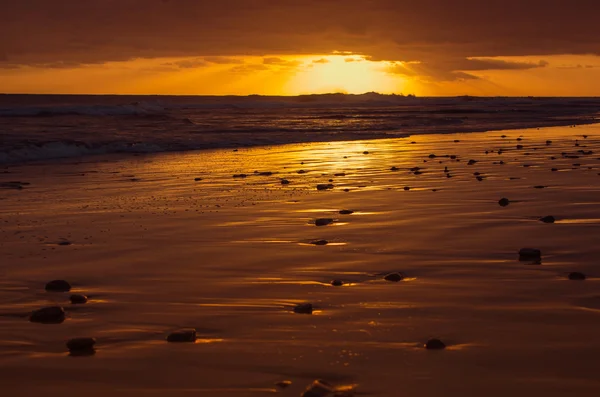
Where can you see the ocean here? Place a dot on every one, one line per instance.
(46, 127)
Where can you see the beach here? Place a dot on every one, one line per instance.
(161, 242)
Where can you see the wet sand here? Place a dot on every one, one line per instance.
(156, 250)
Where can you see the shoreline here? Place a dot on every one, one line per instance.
(331, 138)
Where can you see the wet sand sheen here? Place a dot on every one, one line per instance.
(232, 257)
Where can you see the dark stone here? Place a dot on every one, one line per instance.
(530, 254)
(394, 277)
(319, 242)
(339, 174)
(479, 178)
(78, 299)
(197, 179)
(78, 344)
(302, 172)
(365, 152)
(472, 162)
(325, 186)
(346, 212)
(323, 221)
(58, 286)
(453, 157)
(64, 243)
(503, 202)
(285, 182)
(318, 388)
(435, 344)
(265, 173)
(432, 156)
(407, 188)
(183, 335)
(548, 219)
(240, 176)
(577, 276)
(304, 308)
(540, 187)
(48, 315)
(548, 143)
(337, 283)
(394, 169)
(554, 169)
(519, 139)
(283, 384)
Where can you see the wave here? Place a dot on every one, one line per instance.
(133, 109)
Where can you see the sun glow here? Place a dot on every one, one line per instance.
(343, 73)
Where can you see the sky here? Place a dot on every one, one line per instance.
(292, 47)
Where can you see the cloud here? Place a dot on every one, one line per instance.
(249, 68)
(436, 33)
(457, 69)
(281, 62)
(188, 63)
(321, 61)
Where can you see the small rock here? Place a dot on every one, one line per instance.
(323, 221)
(503, 202)
(285, 182)
(81, 344)
(394, 169)
(64, 243)
(78, 299)
(304, 308)
(394, 277)
(479, 178)
(548, 219)
(197, 179)
(554, 169)
(519, 147)
(240, 176)
(346, 212)
(319, 242)
(48, 315)
(318, 388)
(302, 172)
(325, 186)
(339, 174)
(283, 384)
(548, 143)
(540, 187)
(183, 335)
(472, 162)
(337, 283)
(528, 254)
(265, 173)
(576, 276)
(407, 188)
(435, 344)
(58, 286)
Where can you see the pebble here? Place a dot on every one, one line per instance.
(48, 315)
(283, 384)
(183, 335)
(548, 219)
(337, 283)
(394, 277)
(407, 188)
(318, 388)
(58, 286)
(435, 344)
(365, 152)
(323, 221)
(64, 243)
(240, 175)
(394, 169)
(81, 345)
(285, 182)
(540, 187)
(78, 299)
(503, 202)
(197, 179)
(340, 174)
(325, 186)
(319, 242)
(346, 212)
(472, 162)
(526, 254)
(576, 276)
(304, 308)
(302, 172)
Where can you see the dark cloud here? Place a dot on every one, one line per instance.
(281, 62)
(456, 69)
(322, 60)
(188, 63)
(244, 69)
(434, 32)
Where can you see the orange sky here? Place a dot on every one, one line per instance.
(429, 47)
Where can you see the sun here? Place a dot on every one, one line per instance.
(343, 73)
